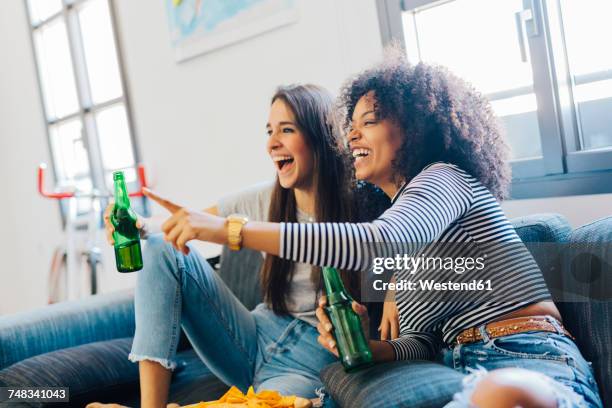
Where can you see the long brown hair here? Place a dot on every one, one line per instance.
(313, 109)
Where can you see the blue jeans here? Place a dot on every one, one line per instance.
(552, 354)
(239, 346)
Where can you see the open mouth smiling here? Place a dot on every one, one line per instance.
(360, 154)
(282, 162)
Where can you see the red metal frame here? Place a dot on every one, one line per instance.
(62, 195)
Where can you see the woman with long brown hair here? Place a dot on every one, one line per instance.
(274, 346)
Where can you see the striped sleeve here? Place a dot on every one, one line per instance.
(414, 345)
(429, 204)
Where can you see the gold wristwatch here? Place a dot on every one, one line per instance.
(235, 222)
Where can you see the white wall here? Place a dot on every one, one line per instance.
(29, 225)
(201, 121)
(200, 124)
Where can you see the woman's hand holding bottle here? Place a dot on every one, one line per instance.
(381, 350)
(110, 229)
(326, 338)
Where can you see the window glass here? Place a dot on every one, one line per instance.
(590, 64)
(69, 151)
(485, 51)
(43, 9)
(56, 70)
(84, 203)
(100, 52)
(82, 93)
(114, 137)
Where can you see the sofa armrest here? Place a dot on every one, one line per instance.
(91, 372)
(65, 324)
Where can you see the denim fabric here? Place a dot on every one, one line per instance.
(192, 381)
(588, 272)
(241, 348)
(552, 354)
(66, 324)
(414, 384)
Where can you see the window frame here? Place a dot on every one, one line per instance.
(563, 169)
(87, 108)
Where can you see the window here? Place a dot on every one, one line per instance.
(83, 92)
(545, 67)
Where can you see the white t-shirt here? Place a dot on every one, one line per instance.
(255, 202)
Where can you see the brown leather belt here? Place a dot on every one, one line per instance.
(512, 326)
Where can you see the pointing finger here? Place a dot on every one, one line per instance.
(167, 204)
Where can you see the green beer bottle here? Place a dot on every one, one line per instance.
(352, 345)
(127, 237)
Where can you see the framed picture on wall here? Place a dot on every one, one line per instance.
(200, 26)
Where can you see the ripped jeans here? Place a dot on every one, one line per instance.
(239, 346)
(555, 355)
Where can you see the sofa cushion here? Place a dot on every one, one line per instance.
(587, 282)
(102, 372)
(240, 272)
(546, 236)
(396, 384)
(542, 228)
(95, 318)
(94, 369)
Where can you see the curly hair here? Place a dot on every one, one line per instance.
(442, 118)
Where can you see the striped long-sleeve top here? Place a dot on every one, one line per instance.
(442, 203)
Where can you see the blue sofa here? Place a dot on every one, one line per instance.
(92, 360)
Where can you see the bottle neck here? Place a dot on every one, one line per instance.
(336, 293)
(121, 196)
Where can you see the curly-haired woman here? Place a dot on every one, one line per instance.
(432, 144)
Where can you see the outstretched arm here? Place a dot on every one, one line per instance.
(433, 200)
(214, 210)
(185, 225)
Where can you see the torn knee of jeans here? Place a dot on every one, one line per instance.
(463, 398)
(169, 364)
(564, 396)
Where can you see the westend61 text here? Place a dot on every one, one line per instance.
(431, 285)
